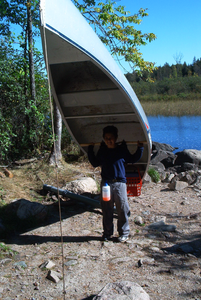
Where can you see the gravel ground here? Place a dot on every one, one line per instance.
(166, 264)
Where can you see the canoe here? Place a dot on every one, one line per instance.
(87, 84)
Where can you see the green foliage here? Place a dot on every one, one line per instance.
(179, 87)
(25, 125)
(155, 176)
(167, 72)
(6, 251)
(116, 28)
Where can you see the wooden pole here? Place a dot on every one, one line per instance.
(97, 144)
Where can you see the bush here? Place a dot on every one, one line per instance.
(155, 176)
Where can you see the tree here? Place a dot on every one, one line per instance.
(19, 82)
(178, 57)
(174, 71)
(30, 43)
(56, 155)
(116, 28)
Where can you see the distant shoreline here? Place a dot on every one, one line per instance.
(172, 108)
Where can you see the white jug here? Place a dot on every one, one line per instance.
(106, 192)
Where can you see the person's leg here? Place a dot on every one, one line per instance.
(107, 210)
(121, 201)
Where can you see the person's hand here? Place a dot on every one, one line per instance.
(102, 144)
(139, 144)
(91, 147)
(123, 144)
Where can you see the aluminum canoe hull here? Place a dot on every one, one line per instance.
(87, 84)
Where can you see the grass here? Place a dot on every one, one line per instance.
(28, 180)
(6, 251)
(27, 183)
(172, 108)
(155, 176)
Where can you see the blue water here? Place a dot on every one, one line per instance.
(181, 132)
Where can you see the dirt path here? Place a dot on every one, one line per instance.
(166, 264)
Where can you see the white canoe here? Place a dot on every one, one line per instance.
(87, 84)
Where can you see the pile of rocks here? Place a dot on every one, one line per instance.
(179, 169)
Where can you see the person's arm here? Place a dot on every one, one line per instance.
(92, 158)
(133, 158)
(138, 154)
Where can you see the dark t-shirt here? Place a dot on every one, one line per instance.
(112, 161)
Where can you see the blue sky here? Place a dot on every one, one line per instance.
(177, 25)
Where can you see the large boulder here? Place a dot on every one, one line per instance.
(188, 155)
(82, 185)
(163, 153)
(161, 146)
(123, 290)
(158, 156)
(169, 161)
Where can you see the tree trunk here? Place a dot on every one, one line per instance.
(56, 156)
(25, 80)
(31, 60)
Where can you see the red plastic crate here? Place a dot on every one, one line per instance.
(134, 185)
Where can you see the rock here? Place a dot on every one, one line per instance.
(123, 290)
(53, 276)
(164, 161)
(186, 166)
(36, 284)
(170, 160)
(47, 264)
(161, 226)
(188, 155)
(158, 157)
(165, 147)
(139, 263)
(168, 178)
(138, 220)
(28, 209)
(147, 178)
(175, 169)
(197, 183)
(5, 261)
(20, 264)
(159, 219)
(82, 185)
(71, 262)
(189, 177)
(158, 167)
(177, 185)
(163, 153)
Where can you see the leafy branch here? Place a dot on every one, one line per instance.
(116, 28)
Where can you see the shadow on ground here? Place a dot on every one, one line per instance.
(15, 229)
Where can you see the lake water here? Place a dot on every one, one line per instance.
(181, 132)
